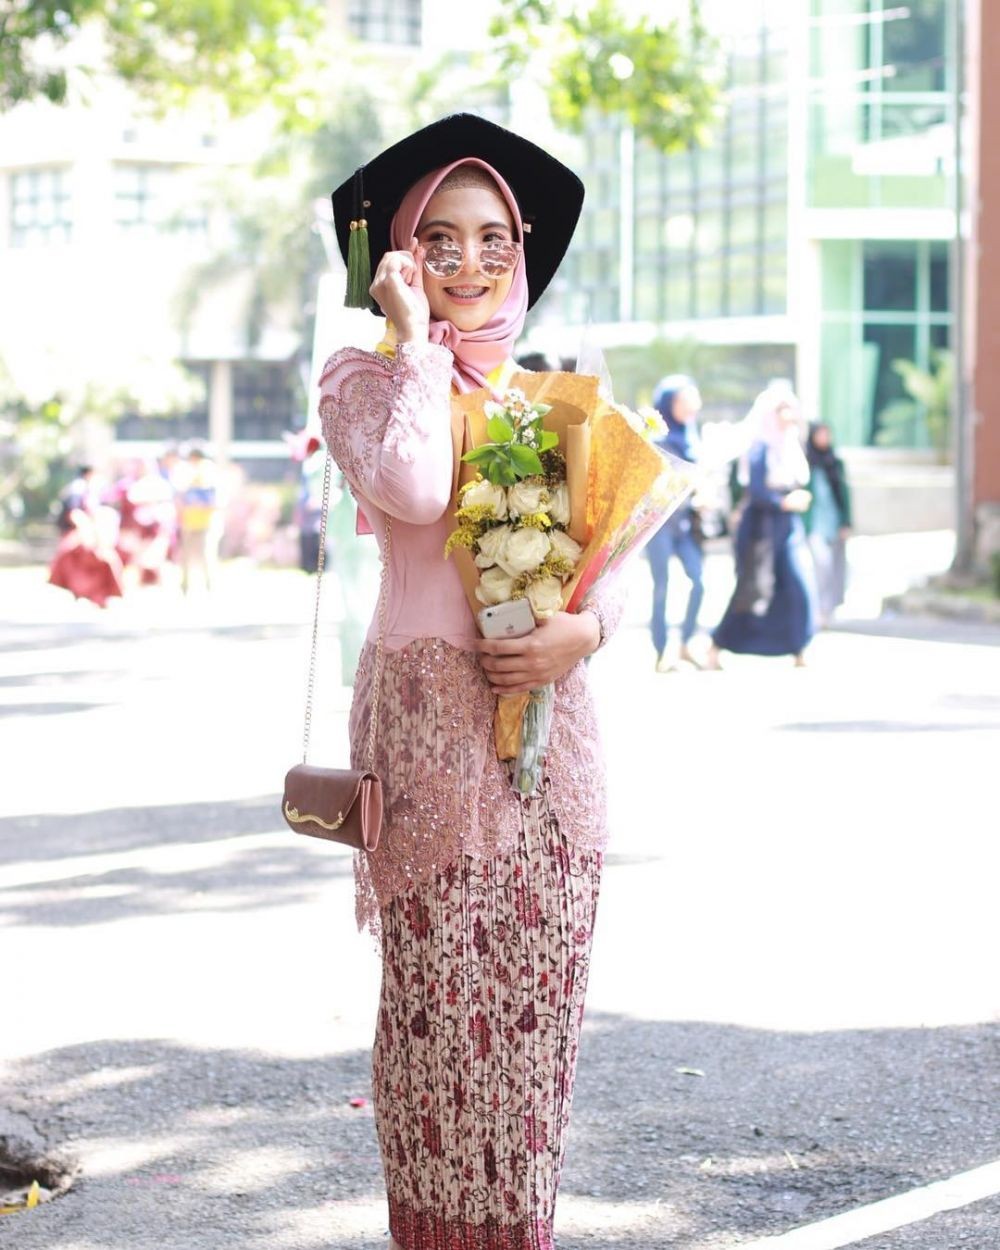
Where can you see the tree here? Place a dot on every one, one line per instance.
(661, 78)
(246, 51)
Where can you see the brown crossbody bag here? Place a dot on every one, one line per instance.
(339, 804)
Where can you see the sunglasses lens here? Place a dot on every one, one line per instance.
(497, 259)
(443, 260)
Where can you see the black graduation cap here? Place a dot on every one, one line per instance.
(548, 193)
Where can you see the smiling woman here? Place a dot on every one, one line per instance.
(484, 899)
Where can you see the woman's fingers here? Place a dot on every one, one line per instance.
(419, 252)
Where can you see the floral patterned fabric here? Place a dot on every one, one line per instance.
(484, 975)
(445, 793)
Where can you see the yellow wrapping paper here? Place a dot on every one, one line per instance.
(620, 487)
(573, 399)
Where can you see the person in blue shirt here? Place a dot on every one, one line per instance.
(678, 402)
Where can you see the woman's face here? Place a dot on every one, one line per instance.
(821, 437)
(469, 216)
(687, 404)
(786, 415)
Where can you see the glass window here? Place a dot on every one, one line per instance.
(155, 197)
(385, 21)
(914, 43)
(40, 207)
(677, 292)
(887, 343)
(940, 270)
(774, 294)
(648, 289)
(742, 297)
(709, 288)
(890, 276)
(265, 400)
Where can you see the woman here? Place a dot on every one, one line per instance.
(771, 611)
(678, 402)
(86, 562)
(828, 521)
(484, 901)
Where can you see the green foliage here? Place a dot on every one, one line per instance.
(662, 78)
(926, 414)
(246, 51)
(515, 426)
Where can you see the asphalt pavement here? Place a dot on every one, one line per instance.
(794, 1013)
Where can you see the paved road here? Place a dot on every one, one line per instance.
(794, 1006)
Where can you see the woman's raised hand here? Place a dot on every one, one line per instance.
(398, 289)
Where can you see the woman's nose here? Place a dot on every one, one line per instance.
(470, 259)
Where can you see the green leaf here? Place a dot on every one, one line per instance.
(525, 460)
(499, 430)
(547, 439)
(479, 455)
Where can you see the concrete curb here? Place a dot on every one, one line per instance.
(954, 606)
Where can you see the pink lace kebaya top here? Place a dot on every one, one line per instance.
(387, 422)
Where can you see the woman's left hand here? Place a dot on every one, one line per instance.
(515, 665)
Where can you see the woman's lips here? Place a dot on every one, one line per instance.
(466, 294)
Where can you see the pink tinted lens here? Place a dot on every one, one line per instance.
(443, 260)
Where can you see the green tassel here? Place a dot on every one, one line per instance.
(359, 271)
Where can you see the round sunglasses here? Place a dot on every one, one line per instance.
(495, 258)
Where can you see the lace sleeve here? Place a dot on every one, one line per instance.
(607, 602)
(387, 423)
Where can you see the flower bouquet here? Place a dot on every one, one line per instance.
(556, 486)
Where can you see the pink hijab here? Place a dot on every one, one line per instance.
(476, 352)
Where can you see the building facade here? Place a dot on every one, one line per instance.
(820, 216)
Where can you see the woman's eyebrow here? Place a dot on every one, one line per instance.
(450, 225)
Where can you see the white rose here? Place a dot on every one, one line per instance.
(527, 497)
(565, 546)
(486, 493)
(524, 551)
(495, 586)
(558, 506)
(545, 596)
(491, 545)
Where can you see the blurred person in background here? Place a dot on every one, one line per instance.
(86, 562)
(148, 519)
(308, 451)
(828, 521)
(772, 610)
(81, 494)
(198, 512)
(678, 402)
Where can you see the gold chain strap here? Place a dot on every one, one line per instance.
(379, 645)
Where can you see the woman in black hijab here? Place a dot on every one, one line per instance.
(828, 521)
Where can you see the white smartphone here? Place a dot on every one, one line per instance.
(512, 619)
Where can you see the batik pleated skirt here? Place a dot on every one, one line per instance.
(484, 975)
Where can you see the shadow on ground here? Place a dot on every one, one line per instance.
(242, 878)
(185, 1147)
